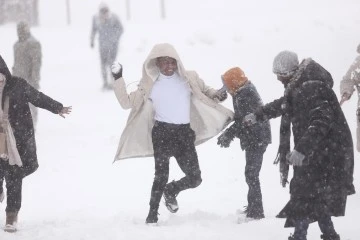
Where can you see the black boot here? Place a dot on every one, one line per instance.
(152, 217)
(330, 237)
(170, 194)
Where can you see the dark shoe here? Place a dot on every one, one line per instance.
(11, 221)
(170, 194)
(152, 217)
(330, 237)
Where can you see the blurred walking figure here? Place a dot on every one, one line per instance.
(110, 29)
(27, 61)
(171, 111)
(322, 156)
(18, 157)
(350, 81)
(253, 139)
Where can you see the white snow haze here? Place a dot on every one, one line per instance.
(78, 193)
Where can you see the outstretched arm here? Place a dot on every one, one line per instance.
(348, 82)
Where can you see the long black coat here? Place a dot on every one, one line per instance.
(20, 94)
(321, 133)
(246, 100)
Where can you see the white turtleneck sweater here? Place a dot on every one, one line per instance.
(170, 96)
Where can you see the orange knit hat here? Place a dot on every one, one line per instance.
(234, 78)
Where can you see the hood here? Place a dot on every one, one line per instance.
(150, 70)
(309, 70)
(4, 69)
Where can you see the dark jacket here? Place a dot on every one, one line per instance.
(20, 94)
(246, 100)
(322, 134)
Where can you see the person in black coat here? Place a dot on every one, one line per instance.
(19, 159)
(323, 155)
(254, 139)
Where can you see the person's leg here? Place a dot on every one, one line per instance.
(13, 179)
(358, 134)
(254, 159)
(187, 159)
(301, 227)
(162, 156)
(2, 176)
(103, 57)
(327, 228)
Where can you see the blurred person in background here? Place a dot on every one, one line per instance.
(322, 155)
(27, 60)
(110, 29)
(350, 81)
(172, 110)
(18, 157)
(254, 139)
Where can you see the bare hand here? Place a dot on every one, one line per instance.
(344, 98)
(65, 110)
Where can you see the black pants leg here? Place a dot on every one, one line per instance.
(177, 141)
(326, 226)
(13, 179)
(301, 228)
(162, 153)
(254, 159)
(187, 159)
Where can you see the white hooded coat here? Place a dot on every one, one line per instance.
(207, 117)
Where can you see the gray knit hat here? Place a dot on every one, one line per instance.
(285, 63)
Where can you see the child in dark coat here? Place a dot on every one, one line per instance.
(253, 139)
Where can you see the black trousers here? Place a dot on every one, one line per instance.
(13, 177)
(254, 159)
(173, 140)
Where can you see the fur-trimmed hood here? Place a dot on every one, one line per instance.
(309, 70)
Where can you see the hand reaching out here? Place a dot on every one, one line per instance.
(65, 110)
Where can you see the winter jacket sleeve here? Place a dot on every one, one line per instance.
(321, 116)
(127, 100)
(206, 90)
(351, 78)
(37, 98)
(270, 110)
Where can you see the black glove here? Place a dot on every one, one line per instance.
(221, 94)
(116, 70)
(225, 139)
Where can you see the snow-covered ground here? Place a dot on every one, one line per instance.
(78, 193)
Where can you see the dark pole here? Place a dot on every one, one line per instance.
(162, 9)
(68, 12)
(128, 14)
